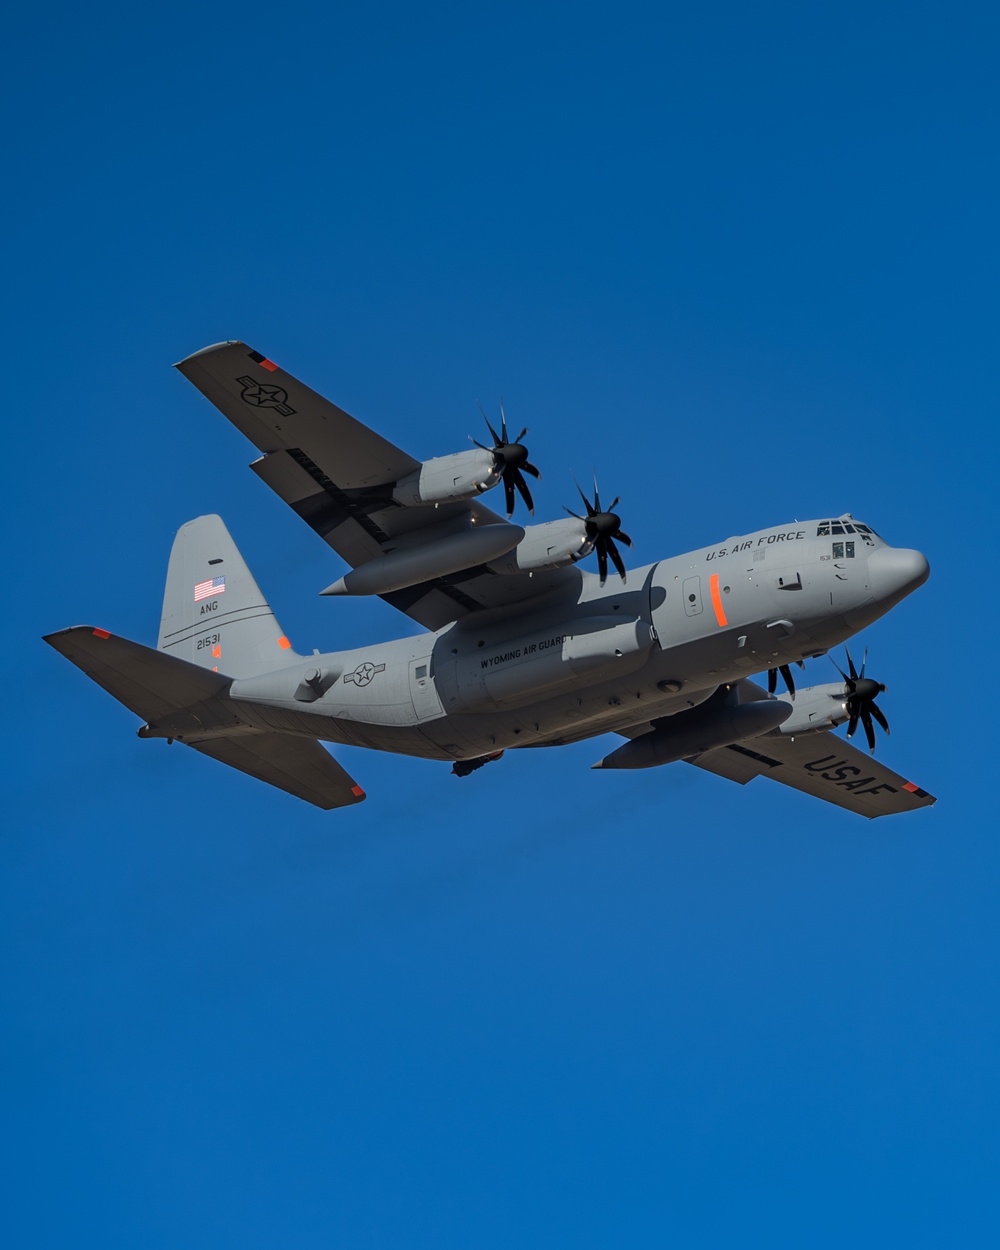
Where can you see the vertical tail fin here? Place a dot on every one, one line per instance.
(213, 612)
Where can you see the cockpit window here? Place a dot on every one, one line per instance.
(842, 526)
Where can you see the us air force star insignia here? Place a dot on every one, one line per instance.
(262, 395)
(363, 674)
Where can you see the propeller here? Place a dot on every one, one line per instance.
(511, 458)
(861, 705)
(603, 527)
(786, 673)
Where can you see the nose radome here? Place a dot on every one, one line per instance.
(896, 571)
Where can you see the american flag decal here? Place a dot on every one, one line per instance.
(205, 590)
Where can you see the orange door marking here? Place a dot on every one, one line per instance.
(713, 585)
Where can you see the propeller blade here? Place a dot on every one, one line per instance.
(851, 668)
(876, 711)
(602, 563)
(772, 680)
(586, 501)
(853, 723)
(624, 538)
(866, 720)
(616, 559)
(522, 487)
(529, 468)
(520, 437)
(508, 494)
(786, 673)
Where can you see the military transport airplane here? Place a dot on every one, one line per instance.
(524, 648)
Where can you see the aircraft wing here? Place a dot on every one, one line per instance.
(338, 475)
(820, 764)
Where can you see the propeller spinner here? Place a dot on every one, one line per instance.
(861, 693)
(511, 459)
(603, 527)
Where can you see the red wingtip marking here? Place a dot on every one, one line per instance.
(284, 644)
(269, 365)
(102, 633)
(908, 785)
(357, 792)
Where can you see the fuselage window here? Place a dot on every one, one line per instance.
(823, 531)
(849, 550)
(843, 550)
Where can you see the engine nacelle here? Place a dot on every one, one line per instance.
(547, 546)
(814, 709)
(448, 479)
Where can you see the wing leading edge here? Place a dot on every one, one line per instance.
(338, 475)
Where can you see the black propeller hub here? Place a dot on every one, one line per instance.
(511, 455)
(511, 458)
(602, 529)
(605, 524)
(865, 689)
(860, 701)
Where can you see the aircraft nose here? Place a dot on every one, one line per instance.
(896, 571)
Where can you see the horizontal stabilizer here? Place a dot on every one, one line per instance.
(186, 701)
(148, 682)
(299, 766)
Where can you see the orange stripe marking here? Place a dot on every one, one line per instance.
(101, 633)
(357, 792)
(908, 785)
(269, 365)
(713, 585)
(283, 643)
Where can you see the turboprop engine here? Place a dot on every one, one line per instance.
(814, 709)
(546, 546)
(448, 479)
(717, 722)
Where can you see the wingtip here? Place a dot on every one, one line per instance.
(207, 351)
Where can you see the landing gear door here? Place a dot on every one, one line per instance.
(423, 692)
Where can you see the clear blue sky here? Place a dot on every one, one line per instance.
(744, 261)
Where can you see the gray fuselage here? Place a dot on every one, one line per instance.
(592, 659)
